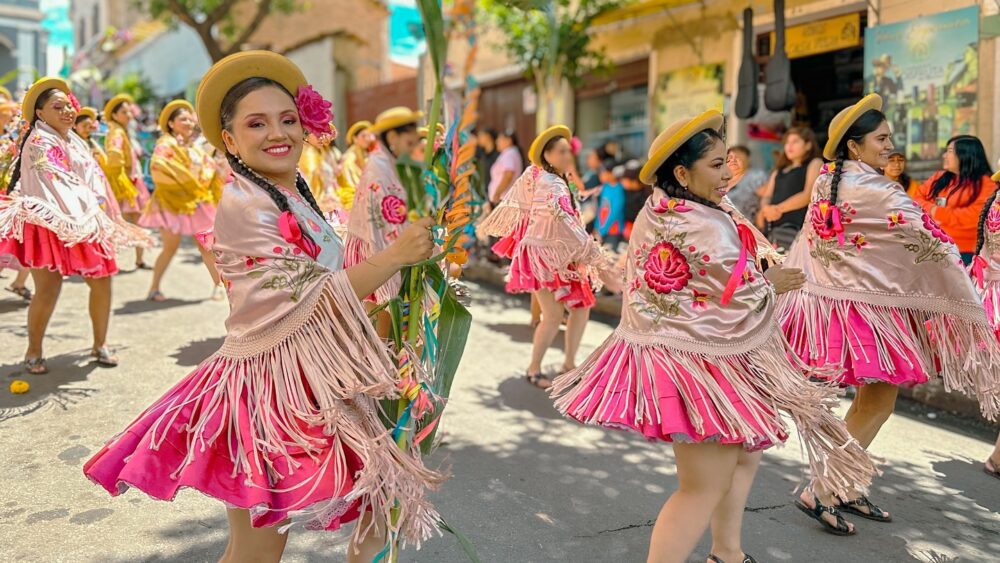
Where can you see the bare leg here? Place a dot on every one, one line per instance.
(545, 332)
(252, 545)
(383, 321)
(100, 309)
(171, 241)
(371, 544)
(705, 472)
(134, 219)
(994, 458)
(20, 279)
(47, 287)
(536, 311)
(727, 520)
(575, 326)
(209, 260)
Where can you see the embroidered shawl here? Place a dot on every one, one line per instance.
(180, 187)
(878, 252)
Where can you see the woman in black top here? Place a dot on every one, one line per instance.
(789, 190)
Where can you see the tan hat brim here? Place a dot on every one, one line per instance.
(114, 101)
(171, 107)
(383, 125)
(41, 85)
(88, 111)
(535, 150)
(355, 129)
(665, 147)
(843, 121)
(229, 72)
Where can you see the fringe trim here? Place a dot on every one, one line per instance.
(323, 365)
(958, 345)
(95, 227)
(551, 259)
(763, 379)
(503, 220)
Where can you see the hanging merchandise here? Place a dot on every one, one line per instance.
(780, 92)
(747, 99)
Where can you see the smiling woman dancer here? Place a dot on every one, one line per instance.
(282, 423)
(124, 170)
(886, 301)
(61, 219)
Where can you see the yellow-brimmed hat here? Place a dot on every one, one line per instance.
(88, 112)
(673, 137)
(395, 117)
(357, 128)
(171, 107)
(229, 72)
(113, 103)
(41, 85)
(843, 121)
(535, 151)
(996, 176)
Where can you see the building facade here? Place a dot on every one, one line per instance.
(23, 42)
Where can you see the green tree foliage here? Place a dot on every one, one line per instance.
(133, 84)
(224, 26)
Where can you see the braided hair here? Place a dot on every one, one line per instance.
(228, 112)
(867, 123)
(981, 226)
(686, 155)
(15, 175)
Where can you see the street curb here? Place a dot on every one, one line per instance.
(932, 393)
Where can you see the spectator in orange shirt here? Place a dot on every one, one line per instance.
(955, 196)
(896, 171)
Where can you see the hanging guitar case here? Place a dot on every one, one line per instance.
(747, 96)
(779, 95)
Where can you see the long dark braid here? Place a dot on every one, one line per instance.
(303, 188)
(276, 195)
(15, 174)
(981, 227)
(837, 172)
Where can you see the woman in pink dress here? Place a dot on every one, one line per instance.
(182, 203)
(886, 301)
(124, 170)
(61, 218)
(698, 359)
(552, 255)
(282, 424)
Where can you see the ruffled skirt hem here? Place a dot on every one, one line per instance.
(41, 248)
(154, 217)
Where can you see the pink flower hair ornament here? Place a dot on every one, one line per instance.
(74, 102)
(315, 113)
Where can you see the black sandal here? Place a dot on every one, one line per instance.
(747, 558)
(874, 512)
(536, 380)
(816, 513)
(35, 366)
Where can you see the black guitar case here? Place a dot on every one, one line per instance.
(779, 95)
(747, 97)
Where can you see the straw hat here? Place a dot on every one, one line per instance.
(357, 128)
(843, 121)
(171, 107)
(395, 117)
(996, 176)
(229, 72)
(535, 150)
(422, 131)
(113, 103)
(673, 137)
(88, 112)
(43, 84)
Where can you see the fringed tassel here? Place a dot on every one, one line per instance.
(323, 365)
(762, 379)
(965, 352)
(503, 220)
(94, 227)
(550, 259)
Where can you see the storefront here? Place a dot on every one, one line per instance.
(509, 105)
(615, 108)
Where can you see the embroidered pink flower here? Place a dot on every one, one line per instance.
(818, 214)
(393, 209)
(58, 157)
(666, 269)
(895, 219)
(290, 230)
(671, 205)
(250, 261)
(993, 218)
(700, 300)
(859, 241)
(314, 111)
(936, 231)
(566, 205)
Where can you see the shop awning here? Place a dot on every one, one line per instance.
(640, 9)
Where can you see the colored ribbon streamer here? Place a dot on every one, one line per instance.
(748, 247)
(979, 270)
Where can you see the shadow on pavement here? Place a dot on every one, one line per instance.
(146, 306)
(52, 389)
(193, 353)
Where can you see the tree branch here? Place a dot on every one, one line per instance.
(182, 13)
(263, 9)
(219, 12)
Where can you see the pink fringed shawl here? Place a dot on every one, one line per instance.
(64, 190)
(877, 252)
(695, 296)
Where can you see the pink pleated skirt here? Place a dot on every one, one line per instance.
(155, 217)
(41, 248)
(141, 198)
(575, 294)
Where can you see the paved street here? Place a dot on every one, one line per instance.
(527, 487)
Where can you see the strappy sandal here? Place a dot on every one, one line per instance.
(142, 266)
(35, 366)
(990, 468)
(816, 513)
(536, 380)
(156, 296)
(22, 292)
(874, 512)
(747, 558)
(104, 357)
